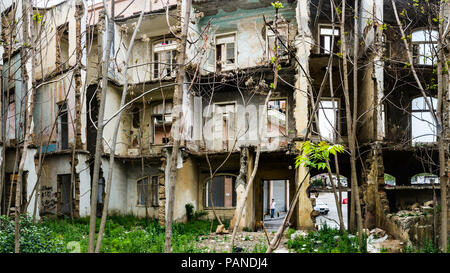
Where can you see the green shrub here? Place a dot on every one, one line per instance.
(124, 234)
(261, 247)
(323, 241)
(194, 215)
(189, 211)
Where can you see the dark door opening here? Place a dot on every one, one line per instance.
(64, 127)
(66, 192)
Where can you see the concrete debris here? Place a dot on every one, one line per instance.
(221, 230)
(377, 232)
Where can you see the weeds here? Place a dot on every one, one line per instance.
(327, 240)
(124, 234)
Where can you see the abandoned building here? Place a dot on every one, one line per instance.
(228, 67)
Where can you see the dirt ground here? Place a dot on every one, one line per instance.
(244, 242)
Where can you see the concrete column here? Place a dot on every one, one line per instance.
(303, 43)
(304, 206)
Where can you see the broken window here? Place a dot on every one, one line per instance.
(282, 42)
(222, 192)
(162, 122)
(63, 127)
(225, 52)
(424, 44)
(224, 119)
(276, 118)
(328, 115)
(423, 125)
(326, 36)
(164, 58)
(143, 192)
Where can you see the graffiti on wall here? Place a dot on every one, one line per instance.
(49, 199)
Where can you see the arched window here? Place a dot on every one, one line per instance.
(164, 58)
(223, 192)
(389, 180)
(424, 43)
(423, 126)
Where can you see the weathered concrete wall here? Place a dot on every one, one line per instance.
(119, 188)
(54, 18)
(52, 167)
(248, 26)
(246, 120)
(113, 103)
(82, 169)
(186, 189)
(31, 170)
(45, 114)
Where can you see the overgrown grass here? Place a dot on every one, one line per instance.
(327, 240)
(123, 234)
(427, 246)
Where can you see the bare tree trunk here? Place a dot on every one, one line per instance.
(177, 118)
(442, 132)
(276, 240)
(114, 140)
(351, 123)
(100, 122)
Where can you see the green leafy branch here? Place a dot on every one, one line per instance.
(316, 155)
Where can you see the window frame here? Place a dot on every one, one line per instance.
(285, 54)
(435, 137)
(215, 104)
(138, 193)
(337, 117)
(156, 63)
(286, 115)
(206, 192)
(417, 57)
(61, 112)
(225, 66)
(330, 26)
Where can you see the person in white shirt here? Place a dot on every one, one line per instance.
(272, 208)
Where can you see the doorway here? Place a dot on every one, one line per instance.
(66, 195)
(276, 197)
